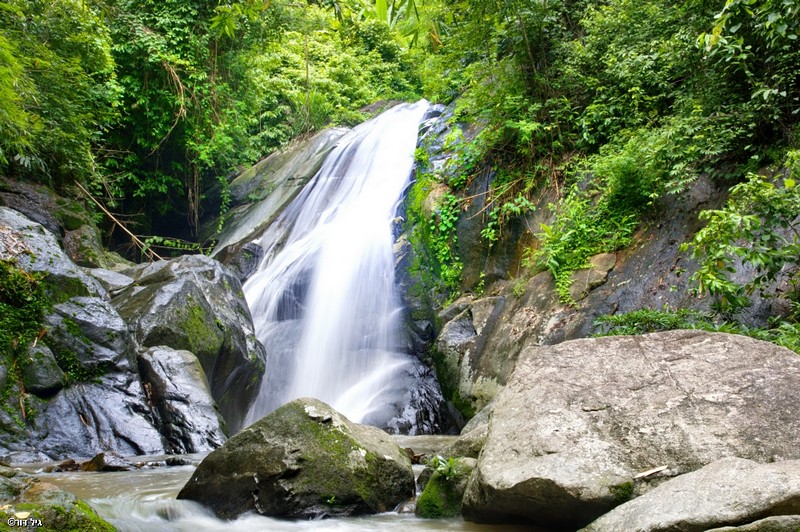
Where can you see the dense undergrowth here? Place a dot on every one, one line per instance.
(149, 104)
(614, 105)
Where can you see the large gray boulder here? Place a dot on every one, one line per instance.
(90, 339)
(578, 421)
(36, 250)
(303, 460)
(195, 304)
(728, 492)
(177, 388)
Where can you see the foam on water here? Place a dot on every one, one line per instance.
(324, 301)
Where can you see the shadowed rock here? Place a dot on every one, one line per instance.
(304, 460)
(178, 390)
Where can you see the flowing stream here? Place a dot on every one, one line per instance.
(324, 300)
(144, 501)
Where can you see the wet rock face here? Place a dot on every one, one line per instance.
(583, 418)
(259, 194)
(110, 414)
(78, 392)
(36, 250)
(304, 460)
(732, 491)
(194, 303)
(89, 337)
(42, 375)
(176, 387)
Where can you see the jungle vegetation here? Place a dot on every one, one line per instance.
(614, 104)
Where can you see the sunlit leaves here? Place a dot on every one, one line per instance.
(759, 227)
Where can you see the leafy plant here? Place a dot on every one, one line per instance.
(758, 227)
(582, 228)
(643, 321)
(443, 241)
(447, 467)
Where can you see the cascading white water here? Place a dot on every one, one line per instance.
(323, 300)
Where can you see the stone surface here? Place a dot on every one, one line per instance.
(261, 192)
(34, 201)
(731, 491)
(443, 493)
(780, 523)
(470, 443)
(89, 338)
(469, 386)
(196, 304)
(579, 420)
(85, 247)
(22, 496)
(104, 462)
(36, 250)
(112, 281)
(41, 374)
(177, 388)
(110, 415)
(304, 460)
(587, 279)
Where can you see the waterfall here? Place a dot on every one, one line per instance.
(324, 300)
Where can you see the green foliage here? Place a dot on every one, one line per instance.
(582, 228)
(23, 303)
(22, 306)
(622, 492)
(443, 239)
(170, 244)
(75, 370)
(758, 227)
(449, 468)
(756, 40)
(58, 88)
(649, 94)
(643, 321)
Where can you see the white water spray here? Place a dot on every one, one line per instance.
(323, 300)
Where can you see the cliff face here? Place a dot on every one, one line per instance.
(502, 304)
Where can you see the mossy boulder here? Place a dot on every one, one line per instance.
(41, 374)
(304, 460)
(196, 304)
(23, 497)
(444, 491)
(36, 250)
(84, 245)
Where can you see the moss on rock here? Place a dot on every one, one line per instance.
(304, 460)
(23, 497)
(444, 491)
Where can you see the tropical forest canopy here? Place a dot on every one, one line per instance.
(150, 103)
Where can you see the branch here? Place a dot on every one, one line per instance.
(136, 240)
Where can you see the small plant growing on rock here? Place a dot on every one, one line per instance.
(448, 467)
